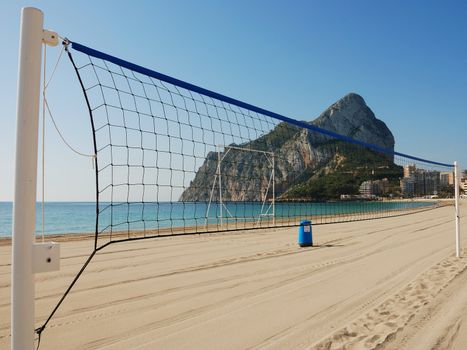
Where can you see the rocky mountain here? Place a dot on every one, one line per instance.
(307, 164)
(350, 116)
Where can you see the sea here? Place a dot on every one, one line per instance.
(80, 217)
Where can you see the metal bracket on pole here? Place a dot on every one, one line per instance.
(45, 257)
(49, 38)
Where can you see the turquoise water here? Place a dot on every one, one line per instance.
(80, 217)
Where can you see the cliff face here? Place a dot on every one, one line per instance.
(351, 116)
(300, 156)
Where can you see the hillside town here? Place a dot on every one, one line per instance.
(415, 183)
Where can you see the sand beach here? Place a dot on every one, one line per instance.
(390, 283)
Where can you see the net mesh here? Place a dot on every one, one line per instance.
(174, 160)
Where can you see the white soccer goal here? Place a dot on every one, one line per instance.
(267, 209)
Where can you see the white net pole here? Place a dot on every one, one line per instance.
(220, 186)
(24, 207)
(273, 192)
(456, 194)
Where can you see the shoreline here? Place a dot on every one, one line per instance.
(237, 226)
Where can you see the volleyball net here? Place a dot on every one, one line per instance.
(174, 158)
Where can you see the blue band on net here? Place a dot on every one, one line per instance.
(145, 71)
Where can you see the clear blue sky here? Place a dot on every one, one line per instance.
(406, 58)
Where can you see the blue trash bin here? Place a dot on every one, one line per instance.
(305, 236)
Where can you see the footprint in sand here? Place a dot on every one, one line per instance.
(375, 338)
